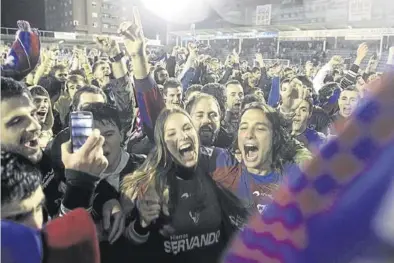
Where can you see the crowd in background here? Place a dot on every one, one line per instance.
(187, 143)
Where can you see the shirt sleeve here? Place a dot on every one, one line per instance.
(170, 66)
(318, 81)
(350, 77)
(123, 91)
(150, 103)
(224, 167)
(274, 95)
(79, 191)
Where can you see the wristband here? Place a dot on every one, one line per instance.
(117, 58)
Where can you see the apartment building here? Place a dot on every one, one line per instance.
(86, 16)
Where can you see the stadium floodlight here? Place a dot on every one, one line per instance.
(178, 11)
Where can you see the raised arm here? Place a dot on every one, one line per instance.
(149, 99)
(351, 75)
(390, 61)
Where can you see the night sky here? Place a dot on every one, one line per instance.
(34, 12)
(30, 10)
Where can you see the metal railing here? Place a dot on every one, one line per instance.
(53, 36)
(12, 31)
(45, 33)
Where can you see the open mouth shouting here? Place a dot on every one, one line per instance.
(188, 153)
(250, 152)
(296, 122)
(206, 133)
(30, 143)
(347, 111)
(41, 114)
(237, 106)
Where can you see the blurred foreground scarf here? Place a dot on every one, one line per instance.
(68, 239)
(339, 207)
(24, 53)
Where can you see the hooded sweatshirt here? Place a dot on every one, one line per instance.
(46, 127)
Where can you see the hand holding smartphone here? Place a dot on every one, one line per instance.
(81, 125)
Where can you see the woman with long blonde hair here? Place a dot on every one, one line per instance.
(182, 214)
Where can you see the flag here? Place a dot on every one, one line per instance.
(24, 53)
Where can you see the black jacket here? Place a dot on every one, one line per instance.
(91, 193)
(50, 183)
(202, 214)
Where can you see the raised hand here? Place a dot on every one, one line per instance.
(192, 49)
(113, 210)
(93, 52)
(235, 56)
(89, 158)
(336, 61)
(293, 96)
(134, 36)
(259, 59)
(362, 50)
(229, 61)
(107, 45)
(149, 207)
(175, 51)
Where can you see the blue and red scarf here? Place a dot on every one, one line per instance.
(24, 53)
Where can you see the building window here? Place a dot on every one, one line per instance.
(66, 13)
(94, 4)
(105, 15)
(75, 22)
(105, 25)
(95, 24)
(71, 1)
(94, 15)
(114, 27)
(70, 12)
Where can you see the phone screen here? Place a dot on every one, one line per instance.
(81, 123)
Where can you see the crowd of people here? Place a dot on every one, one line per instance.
(184, 149)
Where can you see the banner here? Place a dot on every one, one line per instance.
(360, 10)
(375, 33)
(65, 35)
(263, 15)
(363, 37)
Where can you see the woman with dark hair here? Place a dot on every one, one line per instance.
(266, 152)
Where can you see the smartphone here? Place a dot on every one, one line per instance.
(81, 125)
